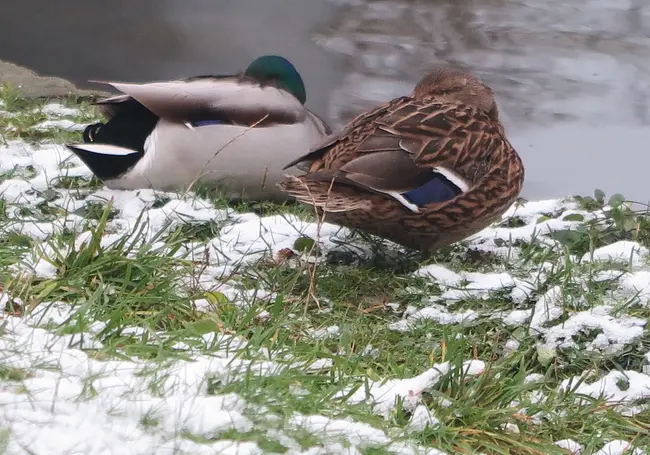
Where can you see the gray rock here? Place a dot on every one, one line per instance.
(32, 85)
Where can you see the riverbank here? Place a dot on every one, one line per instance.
(140, 321)
(33, 85)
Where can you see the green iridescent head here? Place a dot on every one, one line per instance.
(281, 72)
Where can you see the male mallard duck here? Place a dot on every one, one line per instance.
(236, 131)
(423, 170)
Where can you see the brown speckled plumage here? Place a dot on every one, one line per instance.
(450, 121)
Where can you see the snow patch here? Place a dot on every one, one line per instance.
(64, 124)
(383, 395)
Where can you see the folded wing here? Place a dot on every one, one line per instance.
(235, 99)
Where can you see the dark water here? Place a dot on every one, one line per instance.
(142, 40)
(572, 77)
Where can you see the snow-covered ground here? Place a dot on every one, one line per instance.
(66, 400)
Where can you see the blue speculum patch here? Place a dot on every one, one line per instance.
(439, 189)
(207, 122)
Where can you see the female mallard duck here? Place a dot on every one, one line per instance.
(423, 170)
(235, 131)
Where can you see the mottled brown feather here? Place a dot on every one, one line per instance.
(450, 120)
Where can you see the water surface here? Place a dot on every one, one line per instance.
(572, 77)
(143, 40)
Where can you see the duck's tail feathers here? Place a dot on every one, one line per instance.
(114, 99)
(106, 161)
(90, 132)
(109, 107)
(323, 194)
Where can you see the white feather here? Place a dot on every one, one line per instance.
(115, 99)
(453, 178)
(412, 207)
(106, 149)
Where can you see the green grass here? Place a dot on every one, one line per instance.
(142, 283)
(25, 113)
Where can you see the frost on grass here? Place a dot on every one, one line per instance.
(71, 403)
(66, 401)
(383, 395)
(69, 387)
(553, 315)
